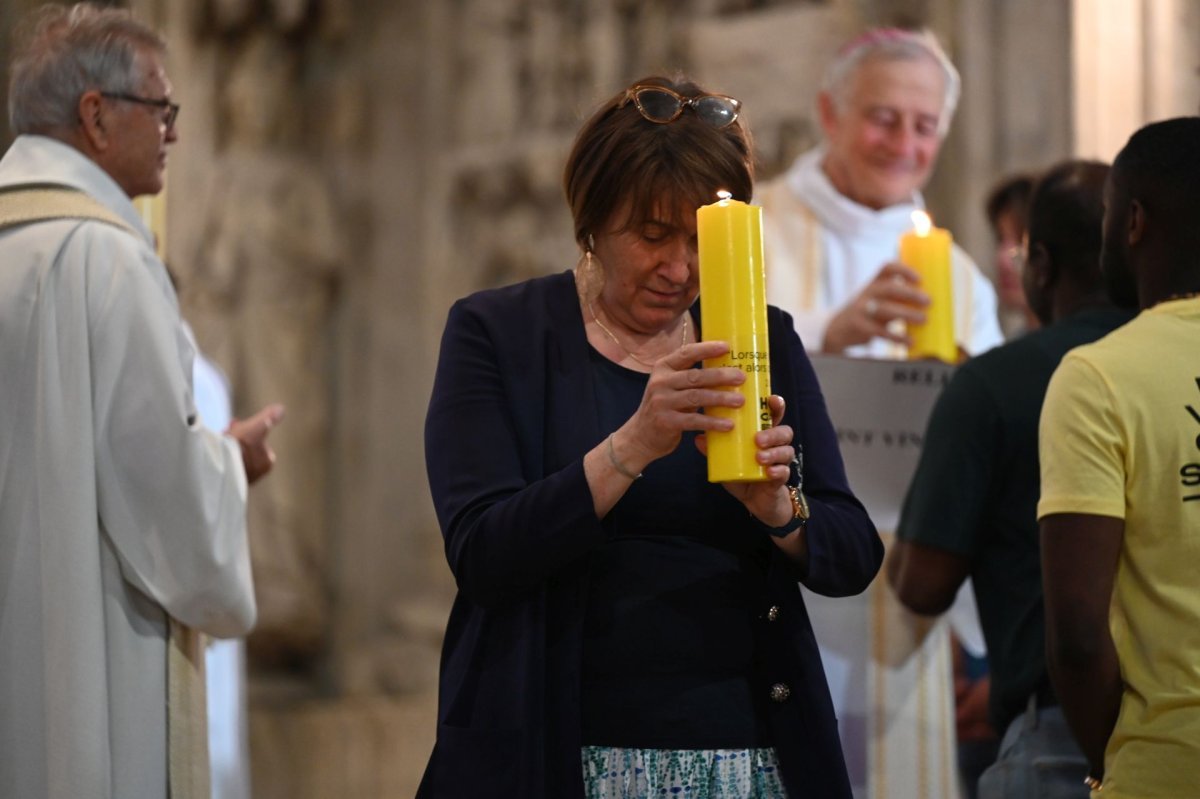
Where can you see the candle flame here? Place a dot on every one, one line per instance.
(723, 195)
(922, 223)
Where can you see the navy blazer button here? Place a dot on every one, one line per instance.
(780, 692)
(773, 613)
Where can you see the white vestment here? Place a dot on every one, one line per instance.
(224, 661)
(821, 249)
(117, 508)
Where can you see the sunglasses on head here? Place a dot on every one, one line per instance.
(661, 105)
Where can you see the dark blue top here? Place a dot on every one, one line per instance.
(669, 646)
(511, 416)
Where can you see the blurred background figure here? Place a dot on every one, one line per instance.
(1006, 206)
(977, 741)
(832, 220)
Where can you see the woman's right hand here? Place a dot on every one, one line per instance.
(670, 405)
(672, 401)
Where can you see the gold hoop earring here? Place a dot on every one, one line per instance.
(585, 264)
(589, 275)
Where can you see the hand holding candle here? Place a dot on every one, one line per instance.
(926, 250)
(733, 306)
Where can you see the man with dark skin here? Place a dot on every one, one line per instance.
(971, 508)
(1120, 503)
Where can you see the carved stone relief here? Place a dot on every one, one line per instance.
(524, 76)
(506, 215)
(265, 281)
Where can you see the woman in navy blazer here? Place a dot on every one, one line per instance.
(624, 628)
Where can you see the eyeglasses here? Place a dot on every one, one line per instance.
(170, 109)
(661, 105)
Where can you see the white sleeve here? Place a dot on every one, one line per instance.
(977, 321)
(171, 494)
(810, 326)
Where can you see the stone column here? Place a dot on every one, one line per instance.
(1014, 56)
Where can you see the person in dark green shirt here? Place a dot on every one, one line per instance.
(971, 510)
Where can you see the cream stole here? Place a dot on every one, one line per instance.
(786, 206)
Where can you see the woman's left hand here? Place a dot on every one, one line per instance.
(768, 501)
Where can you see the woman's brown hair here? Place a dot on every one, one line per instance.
(620, 157)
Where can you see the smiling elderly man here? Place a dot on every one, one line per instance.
(833, 220)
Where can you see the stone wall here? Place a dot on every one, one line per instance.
(346, 170)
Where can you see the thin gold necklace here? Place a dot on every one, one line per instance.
(617, 341)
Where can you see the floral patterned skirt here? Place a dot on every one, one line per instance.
(613, 773)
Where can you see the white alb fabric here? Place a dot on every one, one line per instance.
(813, 281)
(821, 250)
(117, 508)
(224, 661)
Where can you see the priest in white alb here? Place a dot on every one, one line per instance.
(831, 229)
(833, 220)
(122, 519)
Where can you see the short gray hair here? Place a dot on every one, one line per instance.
(63, 52)
(892, 44)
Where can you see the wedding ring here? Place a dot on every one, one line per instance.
(871, 307)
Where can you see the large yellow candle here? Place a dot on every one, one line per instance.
(926, 249)
(733, 308)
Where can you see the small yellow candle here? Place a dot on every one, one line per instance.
(926, 249)
(733, 307)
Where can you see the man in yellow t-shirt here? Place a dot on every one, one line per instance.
(1120, 502)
